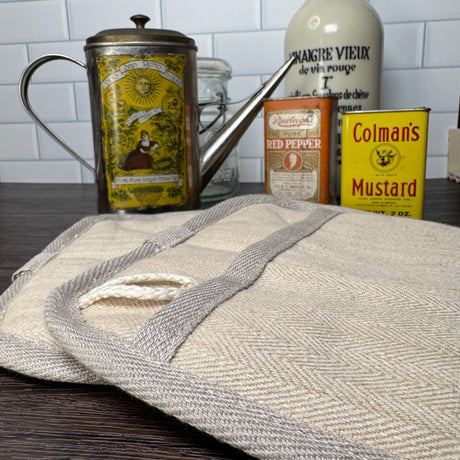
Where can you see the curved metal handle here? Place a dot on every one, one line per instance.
(24, 97)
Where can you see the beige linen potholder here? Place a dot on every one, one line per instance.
(26, 345)
(287, 329)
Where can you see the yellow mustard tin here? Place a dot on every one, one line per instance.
(384, 161)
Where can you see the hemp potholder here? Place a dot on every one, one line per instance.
(26, 345)
(287, 329)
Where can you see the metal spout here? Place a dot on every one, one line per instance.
(214, 152)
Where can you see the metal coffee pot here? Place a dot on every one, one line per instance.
(145, 118)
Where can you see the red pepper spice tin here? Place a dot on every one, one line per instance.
(301, 148)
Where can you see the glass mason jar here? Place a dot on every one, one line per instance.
(213, 75)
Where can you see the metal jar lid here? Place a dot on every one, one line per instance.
(210, 67)
(140, 36)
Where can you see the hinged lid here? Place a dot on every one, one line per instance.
(140, 35)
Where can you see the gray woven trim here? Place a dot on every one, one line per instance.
(167, 330)
(202, 404)
(209, 407)
(39, 360)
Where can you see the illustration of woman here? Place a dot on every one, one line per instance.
(140, 158)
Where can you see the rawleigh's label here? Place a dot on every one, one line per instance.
(297, 148)
(293, 166)
(383, 161)
(143, 129)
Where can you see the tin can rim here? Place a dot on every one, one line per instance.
(299, 98)
(411, 109)
(134, 43)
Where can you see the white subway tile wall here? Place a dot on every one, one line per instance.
(421, 68)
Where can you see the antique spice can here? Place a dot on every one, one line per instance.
(301, 148)
(384, 161)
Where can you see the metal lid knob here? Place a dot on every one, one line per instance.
(140, 20)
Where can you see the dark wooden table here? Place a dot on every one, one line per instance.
(47, 420)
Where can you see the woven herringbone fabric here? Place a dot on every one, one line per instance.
(26, 345)
(310, 332)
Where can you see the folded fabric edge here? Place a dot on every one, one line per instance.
(41, 361)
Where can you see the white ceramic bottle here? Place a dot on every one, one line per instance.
(338, 44)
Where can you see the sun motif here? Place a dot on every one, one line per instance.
(143, 87)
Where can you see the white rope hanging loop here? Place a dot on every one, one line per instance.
(163, 287)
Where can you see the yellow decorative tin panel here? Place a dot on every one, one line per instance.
(143, 130)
